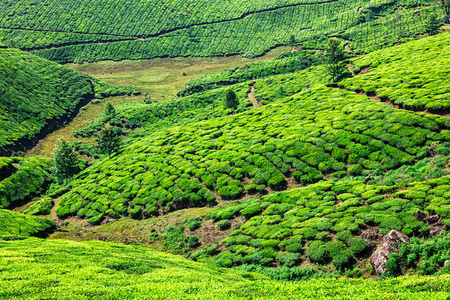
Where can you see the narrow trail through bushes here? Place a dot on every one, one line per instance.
(385, 100)
(251, 97)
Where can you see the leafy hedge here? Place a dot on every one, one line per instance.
(31, 177)
(327, 222)
(90, 32)
(34, 92)
(178, 167)
(414, 75)
(14, 225)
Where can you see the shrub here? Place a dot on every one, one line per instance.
(193, 242)
(392, 264)
(194, 223)
(317, 252)
(356, 245)
(288, 259)
(224, 224)
(251, 211)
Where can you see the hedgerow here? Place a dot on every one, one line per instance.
(405, 79)
(315, 223)
(29, 177)
(14, 225)
(137, 272)
(91, 32)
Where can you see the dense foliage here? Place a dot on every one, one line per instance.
(28, 177)
(414, 75)
(35, 92)
(287, 62)
(181, 166)
(61, 31)
(68, 270)
(14, 225)
(331, 222)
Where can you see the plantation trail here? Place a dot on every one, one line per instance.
(46, 145)
(374, 96)
(157, 34)
(251, 97)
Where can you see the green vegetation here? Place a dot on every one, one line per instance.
(23, 178)
(37, 95)
(180, 166)
(90, 32)
(230, 100)
(286, 62)
(280, 167)
(14, 225)
(70, 270)
(108, 141)
(41, 207)
(414, 75)
(335, 59)
(324, 223)
(65, 162)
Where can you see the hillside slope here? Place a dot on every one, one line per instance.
(68, 270)
(63, 32)
(318, 133)
(37, 96)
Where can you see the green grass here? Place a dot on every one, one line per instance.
(35, 268)
(92, 32)
(161, 78)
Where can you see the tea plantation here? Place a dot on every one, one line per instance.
(38, 96)
(288, 194)
(72, 270)
(87, 32)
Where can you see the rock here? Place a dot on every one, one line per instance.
(395, 237)
(380, 257)
(447, 262)
(431, 219)
(420, 216)
(436, 230)
(391, 243)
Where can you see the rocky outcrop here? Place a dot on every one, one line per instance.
(391, 243)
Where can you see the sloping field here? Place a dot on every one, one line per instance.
(138, 29)
(35, 268)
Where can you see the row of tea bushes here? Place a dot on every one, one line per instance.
(28, 177)
(332, 222)
(314, 134)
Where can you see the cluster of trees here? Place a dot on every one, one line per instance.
(65, 160)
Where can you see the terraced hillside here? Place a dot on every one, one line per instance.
(37, 96)
(65, 32)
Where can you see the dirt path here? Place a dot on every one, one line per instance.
(373, 96)
(251, 97)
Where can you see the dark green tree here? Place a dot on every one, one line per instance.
(231, 100)
(110, 111)
(108, 141)
(335, 59)
(65, 162)
(432, 24)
